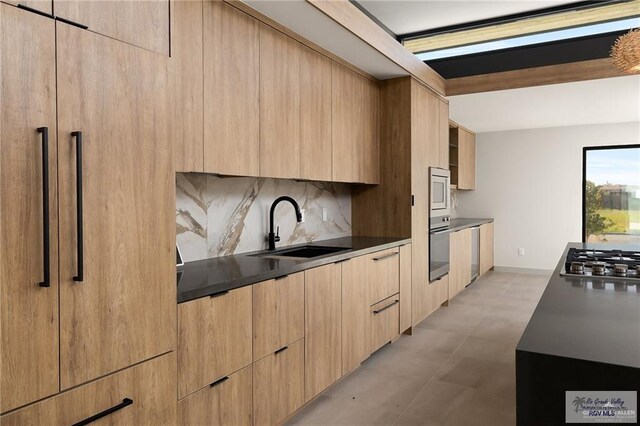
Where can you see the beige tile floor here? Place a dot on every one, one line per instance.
(458, 367)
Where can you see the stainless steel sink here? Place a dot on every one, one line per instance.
(304, 252)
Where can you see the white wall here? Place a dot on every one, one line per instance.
(530, 182)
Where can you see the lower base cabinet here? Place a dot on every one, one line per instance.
(225, 402)
(385, 322)
(278, 384)
(144, 394)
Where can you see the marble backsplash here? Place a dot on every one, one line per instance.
(222, 216)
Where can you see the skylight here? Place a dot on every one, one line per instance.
(565, 34)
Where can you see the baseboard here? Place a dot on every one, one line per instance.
(523, 270)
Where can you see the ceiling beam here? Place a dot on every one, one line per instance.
(530, 77)
(350, 17)
(534, 25)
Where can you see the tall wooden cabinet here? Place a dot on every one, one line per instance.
(28, 308)
(111, 296)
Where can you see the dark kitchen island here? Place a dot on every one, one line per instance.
(584, 335)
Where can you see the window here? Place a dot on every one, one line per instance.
(611, 194)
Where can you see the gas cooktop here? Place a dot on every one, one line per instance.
(614, 264)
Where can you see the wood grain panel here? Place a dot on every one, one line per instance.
(226, 403)
(186, 80)
(125, 309)
(438, 293)
(214, 338)
(531, 77)
(346, 109)
(151, 385)
(41, 5)
(385, 210)
(323, 328)
(279, 104)
(231, 90)
(405, 288)
(383, 274)
(278, 314)
(466, 159)
(460, 261)
(278, 385)
(315, 116)
(486, 247)
(356, 319)
(443, 135)
(350, 17)
(143, 23)
(368, 150)
(385, 322)
(28, 312)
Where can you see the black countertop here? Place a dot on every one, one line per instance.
(591, 319)
(206, 277)
(461, 223)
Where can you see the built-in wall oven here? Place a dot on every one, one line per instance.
(439, 220)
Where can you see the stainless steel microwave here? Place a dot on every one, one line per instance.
(439, 198)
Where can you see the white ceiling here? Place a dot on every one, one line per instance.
(611, 100)
(404, 17)
(303, 18)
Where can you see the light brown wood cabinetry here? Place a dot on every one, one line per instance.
(315, 115)
(438, 294)
(140, 23)
(41, 5)
(382, 274)
(405, 287)
(278, 314)
(28, 312)
(486, 247)
(356, 316)
(443, 134)
(279, 104)
(278, 384)
(231, 90)
(214, 338)
(355, 133)
(226, 402)
(323, 328)
(186, 82)
(146, 394)
(385, 322)
(463, 157)
(123, 310)
(460, 261)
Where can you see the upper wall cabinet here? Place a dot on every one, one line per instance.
(279, 104)
(462, 152)
(355, 135)
(443, 134)
(231, 41)
(315, 115)
(141, 23)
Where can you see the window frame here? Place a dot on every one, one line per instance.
(585, 150)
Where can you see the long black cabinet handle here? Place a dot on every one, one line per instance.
(125, 403)
(386, 256)
(386, 307)
(79, 217)
(36, 11)
(46, 252)
(282, 349)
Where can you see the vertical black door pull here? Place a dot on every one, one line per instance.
(125, 402)
(46, 253)
(79, 221)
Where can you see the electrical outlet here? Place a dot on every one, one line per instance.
(324, 215)
(303, 214)
(521, 251)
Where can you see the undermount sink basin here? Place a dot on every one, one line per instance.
(306, 252)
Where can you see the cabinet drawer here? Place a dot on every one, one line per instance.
(384, 274)
(140, 395)
(278, 314)
(278, 384)
(385, 318)
(214, 338)
(225, 402)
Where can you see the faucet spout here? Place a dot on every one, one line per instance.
(275, 238)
